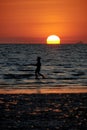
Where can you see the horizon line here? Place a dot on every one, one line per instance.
(41, 43)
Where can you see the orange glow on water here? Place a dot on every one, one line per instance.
(47, 90)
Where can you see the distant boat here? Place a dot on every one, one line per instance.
(80, 42)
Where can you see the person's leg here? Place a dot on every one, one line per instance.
(36, 75)
(41, 75)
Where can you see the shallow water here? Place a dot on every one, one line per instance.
(62, 65)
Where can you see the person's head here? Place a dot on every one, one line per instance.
(38, 58)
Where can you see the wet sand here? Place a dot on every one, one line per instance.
(43, 111)
(26, 89)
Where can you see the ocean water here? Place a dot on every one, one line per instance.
(62, 65)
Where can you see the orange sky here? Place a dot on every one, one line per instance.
(34, 20)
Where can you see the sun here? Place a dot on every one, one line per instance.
(53, 39)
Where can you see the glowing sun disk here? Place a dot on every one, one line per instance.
(53, 39)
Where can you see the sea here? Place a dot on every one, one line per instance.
(63, 65)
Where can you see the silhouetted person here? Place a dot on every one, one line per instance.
(38, 68)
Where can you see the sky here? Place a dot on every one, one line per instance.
(32, 21)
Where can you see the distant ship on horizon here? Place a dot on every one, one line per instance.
(80, 42)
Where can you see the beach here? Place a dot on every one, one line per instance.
(43, 111)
